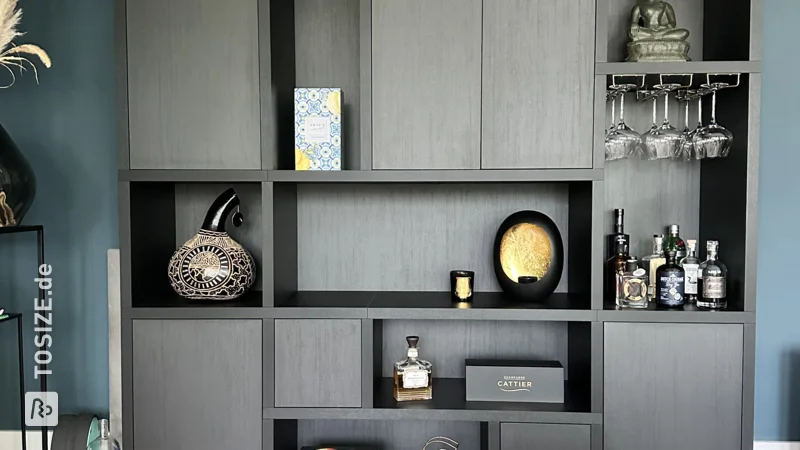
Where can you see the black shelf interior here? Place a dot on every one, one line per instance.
(251, 299)
(689, 308)
(450, 394)
(428, 300)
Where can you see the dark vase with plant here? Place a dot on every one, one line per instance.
(17, 180)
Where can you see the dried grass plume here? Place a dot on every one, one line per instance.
(12, 55)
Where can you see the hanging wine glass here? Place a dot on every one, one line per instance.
(686, 152)
(612, 95)
(698, 152)
(713, 140)
(622, 142)
(664, 141)
(649, 152)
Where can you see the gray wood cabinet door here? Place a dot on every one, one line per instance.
(318, 363)
(197, 384)
(538, 84)
(672, 386)
(193, 84)
(426, 84)
(528, 436)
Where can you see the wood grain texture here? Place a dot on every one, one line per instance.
(327, 43)
(318, 363)
(409, 237)
(191, 205)
(395, 435)
(197, 384)
(671, 386)
(688, 13)
(446, 344)
(538, 84)
(193, 84)
(426, 84)
(526, 436)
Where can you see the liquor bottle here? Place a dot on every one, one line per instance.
(105, 441)
(632, 286)
(715, 280)
(671, 280)
(691, 265)
(614, 266)
(651, 263)
(619, 232)
(413, 376)
(674, 242)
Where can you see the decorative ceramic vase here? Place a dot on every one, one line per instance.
(211, 265)
(17, 182)
(528, 256)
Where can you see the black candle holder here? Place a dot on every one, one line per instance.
(462, 285)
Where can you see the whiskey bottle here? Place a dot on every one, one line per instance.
(715, 280)
(690, 265)
(619, 232)
(413, 376)
(671, 281)
(651, 263)
(632, 286)
(674, 242)
(615, 266)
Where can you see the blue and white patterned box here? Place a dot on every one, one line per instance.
(318, 129)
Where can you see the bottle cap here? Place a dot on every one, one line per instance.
(712, 245)
(674, 229)
(691, 243)
(412, 341)
(658, 238)
(631, 265)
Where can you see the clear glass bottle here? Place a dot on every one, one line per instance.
(614, 266)
(632, 286)
(671, 281)
(652, 262)
(691, 265)
(619, 231)
(674, 242)
(413, 377)
(105, 441)
(715, 280)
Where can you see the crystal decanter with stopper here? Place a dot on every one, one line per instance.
(412, 376)
(105, 441)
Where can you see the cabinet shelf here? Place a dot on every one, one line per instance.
(449, 404)
(435, 176)
(194, 176)
(688, 314)
(611, 68)
(431, 305)
(172, 306)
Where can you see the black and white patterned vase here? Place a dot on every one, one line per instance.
(211, 265)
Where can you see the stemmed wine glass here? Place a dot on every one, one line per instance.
(612, 95)
(663, 142)
(686, 152)
(622, 141)
(713, 140)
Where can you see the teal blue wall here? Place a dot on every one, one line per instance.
(778, 323)
(66, 127)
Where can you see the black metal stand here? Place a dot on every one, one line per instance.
(18, 318)
(39, 229)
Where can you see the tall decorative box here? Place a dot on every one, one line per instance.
(515, 381)
(318, 129)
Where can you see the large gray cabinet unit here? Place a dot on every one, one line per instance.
(456, 114)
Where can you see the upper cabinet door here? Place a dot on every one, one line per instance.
(538, 84)
(193, 88)
(673, 386)
(426, 84)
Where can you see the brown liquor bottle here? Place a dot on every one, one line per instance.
(614, 266)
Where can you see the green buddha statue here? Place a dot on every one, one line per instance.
(654, 33)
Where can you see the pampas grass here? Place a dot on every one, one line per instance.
(12, 55)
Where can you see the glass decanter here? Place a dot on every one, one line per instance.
(413, 377)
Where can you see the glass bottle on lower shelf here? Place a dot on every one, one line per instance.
(632, 286)
(691, 266)
(105, 441)
(671, 283)
(614, 267)
(413, 376)
(714, 274)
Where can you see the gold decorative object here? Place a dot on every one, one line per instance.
(525, 250)
(654, 33)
